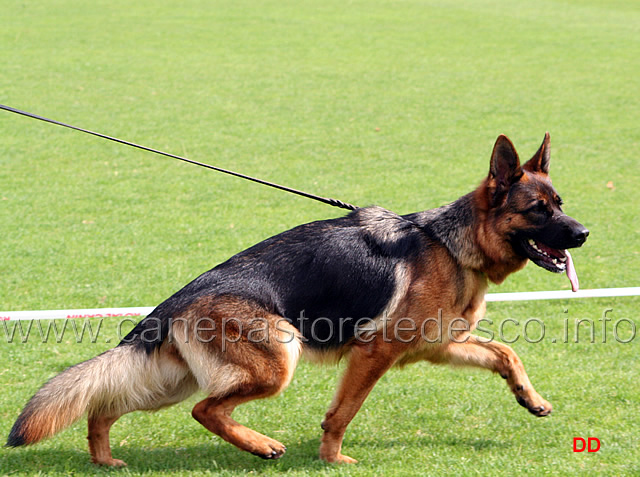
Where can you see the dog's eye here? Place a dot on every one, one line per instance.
(539, 208)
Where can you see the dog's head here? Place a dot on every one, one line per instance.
(526, 210)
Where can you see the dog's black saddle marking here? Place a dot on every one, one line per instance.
(324, 277)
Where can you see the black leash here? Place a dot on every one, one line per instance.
(326, 200)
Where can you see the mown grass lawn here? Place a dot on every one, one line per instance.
(396, 103)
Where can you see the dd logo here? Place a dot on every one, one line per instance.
(592, 444)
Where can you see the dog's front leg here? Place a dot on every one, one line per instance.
(367, 363)
(501, 359)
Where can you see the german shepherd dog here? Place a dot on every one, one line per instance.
(373, 287)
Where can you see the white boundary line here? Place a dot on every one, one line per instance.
(79, 313)
(145, 310)
(560, 295)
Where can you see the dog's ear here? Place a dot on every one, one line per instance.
(540, 160)
(505, 168)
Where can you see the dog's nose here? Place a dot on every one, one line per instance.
(580, 235)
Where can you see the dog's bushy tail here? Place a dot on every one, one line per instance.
(118, 381)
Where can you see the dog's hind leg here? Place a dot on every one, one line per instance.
(250, 359)
(215, 414)
(500, 359)
(99, 447)
(144, 382)
(257, 378)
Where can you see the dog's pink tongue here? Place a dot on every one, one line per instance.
(571, 272)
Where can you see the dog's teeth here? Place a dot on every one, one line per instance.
(534, 245)
(555, 261)
(563, 259)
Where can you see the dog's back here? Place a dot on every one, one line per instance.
(342, 271)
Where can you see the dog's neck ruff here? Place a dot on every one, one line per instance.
(452, 225)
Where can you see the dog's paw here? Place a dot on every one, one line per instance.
(338, 459)
(110, 462)
(539, 407)
(270, 449)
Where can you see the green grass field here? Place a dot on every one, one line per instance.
(396, 103)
